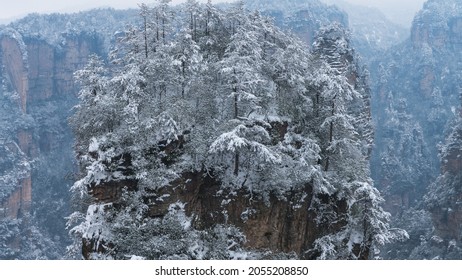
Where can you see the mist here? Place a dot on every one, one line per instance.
(401, 12)
(210, 132)
(16, 9)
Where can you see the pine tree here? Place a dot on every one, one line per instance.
(240, 71)
(230, 98)
(96, 113)
(364, 226)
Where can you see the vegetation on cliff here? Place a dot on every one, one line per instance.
(225, 94)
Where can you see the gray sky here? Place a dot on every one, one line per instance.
(400, 11)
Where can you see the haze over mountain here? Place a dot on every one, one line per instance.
(401, 12)
(205, 131)
(12, 10)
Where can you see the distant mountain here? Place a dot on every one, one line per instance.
(52, 28)
(303, 17)
(39, 55)
(415, 102)
(371, 29)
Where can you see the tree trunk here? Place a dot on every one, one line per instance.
(183, 84)
(236, 115)
(236, 109)
(146, 36)
(236, 164)
(331, 135)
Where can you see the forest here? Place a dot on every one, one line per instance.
(249, 130)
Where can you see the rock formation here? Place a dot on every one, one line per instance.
(416, 99)
(39, 56)
(16, 70)
(41, 74)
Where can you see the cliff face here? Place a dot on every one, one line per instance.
(38, 56)
(279, 226)
(15, 67)
(417, 91)
(51, 68)
(41, 62)
(445, 195)
(73, 56)
(416, 85)
(42, 76)
(437, 31)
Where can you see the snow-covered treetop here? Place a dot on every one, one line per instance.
(227, 93)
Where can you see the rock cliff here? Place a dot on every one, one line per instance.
(15, 66)
(416, 86)
(42, 76)
(273, 225)
(38, 57)
(416, 83)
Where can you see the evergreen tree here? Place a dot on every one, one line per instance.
(231, 98)
(364, 224)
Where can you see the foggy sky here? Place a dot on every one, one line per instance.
(400, 11)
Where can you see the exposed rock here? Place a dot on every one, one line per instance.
(447, 211)
(43, 73)
(438, 24)
(16, 67)
(70, 57)
(453, 163)
(275, 224)
(41, 69)
(12, 205)
(448, 222)
(25, 143)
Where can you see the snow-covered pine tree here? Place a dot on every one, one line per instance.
(93, 115)
(235, 103)
(345, 141)
(240, 73)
